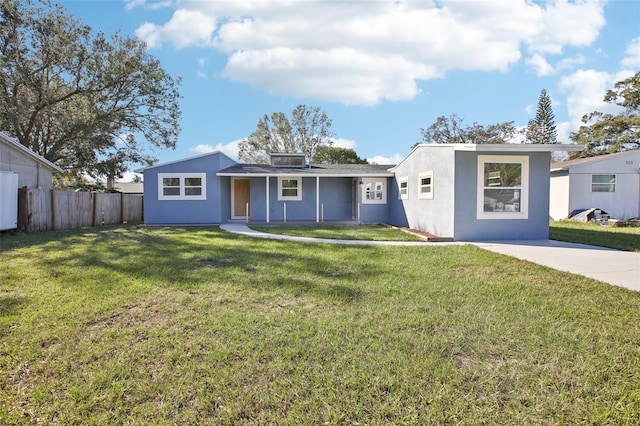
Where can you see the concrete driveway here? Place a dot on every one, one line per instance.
(620, 268)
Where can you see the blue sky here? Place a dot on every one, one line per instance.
(381, 70)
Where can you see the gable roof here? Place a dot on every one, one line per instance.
(566, 165)
(142, 169)
(13, 142)
(323, 170)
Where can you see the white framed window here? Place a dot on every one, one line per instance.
(374, 191)
(403, 188)
(182, 186)
(603, 183)
(425, 182)
(503, 187)
(289, 188)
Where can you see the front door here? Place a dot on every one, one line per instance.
(240, 198)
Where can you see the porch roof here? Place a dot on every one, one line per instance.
(320, 170)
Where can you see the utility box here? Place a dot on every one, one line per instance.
(8, 200)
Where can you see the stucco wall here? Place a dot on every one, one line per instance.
(624, 203)
(469, 228)
(429, 215)
(187, 211)
(31, 173)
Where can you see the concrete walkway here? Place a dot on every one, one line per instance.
(614, 267)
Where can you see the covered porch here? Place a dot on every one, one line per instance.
(314, 194)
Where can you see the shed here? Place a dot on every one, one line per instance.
(34, 171)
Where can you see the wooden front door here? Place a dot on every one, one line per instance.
(241, 197)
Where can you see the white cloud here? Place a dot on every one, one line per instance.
(128, 176)
(149, 5)
(185, 28)
(540, 65)
(585, 93)
(380, 159)
(632, 58)
(365, 52)
(231, 149)
(344, 143)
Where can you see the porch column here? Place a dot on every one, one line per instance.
(317, 198)
(267, 193)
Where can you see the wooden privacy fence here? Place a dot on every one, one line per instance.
(44, 210)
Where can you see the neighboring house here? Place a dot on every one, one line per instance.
(607, 182)
(34, 171)
(20, 167)
(129, 187)
(463, 191)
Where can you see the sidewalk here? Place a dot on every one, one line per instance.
(615, 267)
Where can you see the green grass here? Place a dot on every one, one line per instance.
(341, 232)
(617, 237)
(197, 326)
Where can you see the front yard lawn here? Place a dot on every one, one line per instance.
(125, 325)
(617, 237)
(341, 232)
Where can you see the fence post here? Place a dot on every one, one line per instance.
(95, 210)
(122, 208)
(53, 210)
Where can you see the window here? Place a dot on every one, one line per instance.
(291, 160)
(603, 183)
(289, 188)
(176, 186)
(374, 191)
(503, 185)
(403, 188)
(426, 186)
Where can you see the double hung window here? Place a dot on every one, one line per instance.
(503, 185)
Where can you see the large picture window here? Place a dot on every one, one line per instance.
(603, 183)
(176, 186)
(289, 188)
(503, 186)
(374, 191)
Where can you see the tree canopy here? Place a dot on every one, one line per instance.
(542, 128)
(308, 129)
(605, 133)
(453, 130)
(81, 99)
(336, 155)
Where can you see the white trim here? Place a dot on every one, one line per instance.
(382, 190)
(425, 195)
(298, 196)
(405, 180)
(318, 199)
(523, 160)
(182, 187)
(268, 201)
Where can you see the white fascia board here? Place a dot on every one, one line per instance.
(517, 147)
(349, 175)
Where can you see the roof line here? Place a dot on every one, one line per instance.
(14, 141)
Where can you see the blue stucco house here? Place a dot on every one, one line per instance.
(467, 192)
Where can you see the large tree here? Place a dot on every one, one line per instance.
(609, 133)
(308, 129)
(89, 103)
(542, 128)
(453, 130)
(337, 155)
